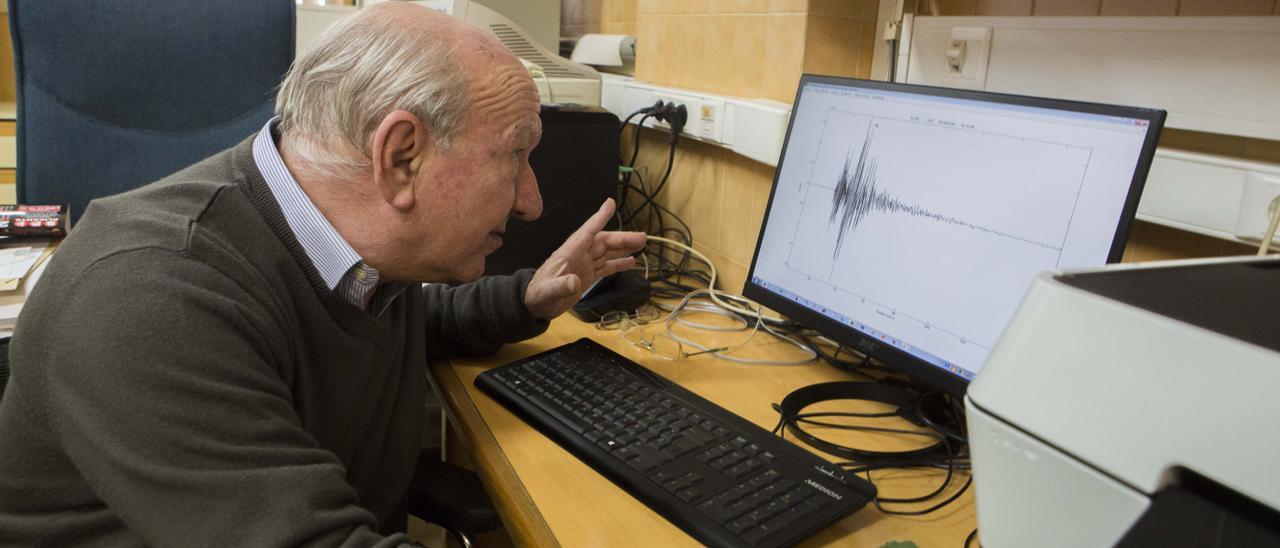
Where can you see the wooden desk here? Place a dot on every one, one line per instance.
(547, 497)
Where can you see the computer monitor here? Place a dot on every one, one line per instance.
(908, 221)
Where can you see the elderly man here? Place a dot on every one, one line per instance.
(235, 355)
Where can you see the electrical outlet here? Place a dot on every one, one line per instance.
(967, 57)
(753, 128)
(711, 117)
(1252, 220)
(692, 126)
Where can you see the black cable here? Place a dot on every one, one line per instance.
(649, 110)
(671, 157)
(960, 463)
(635, 148)
(793, 421)
(686, 257)
(955, 457)
(930, 423)
(972, 535)
(805, 418)
(640, 187)
(843, 365)
(946, 481)
(666, 270)
(623, 128)
(635, 152)
(930, 509)
(941, 488)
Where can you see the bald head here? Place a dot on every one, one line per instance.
(389, 56)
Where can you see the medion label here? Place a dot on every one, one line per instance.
(824, 489)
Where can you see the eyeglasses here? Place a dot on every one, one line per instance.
(613, 320)
(661, 345)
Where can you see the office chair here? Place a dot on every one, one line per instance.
(114, 95)
(4, 365)
(451, 497)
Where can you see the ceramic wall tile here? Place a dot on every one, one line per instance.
(1145, 8)
(1003, 7)
(784, 56)
(1227, 7)
(1066, 7)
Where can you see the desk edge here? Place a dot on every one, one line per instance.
(524, 522)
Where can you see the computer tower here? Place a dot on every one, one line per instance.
(576, 164)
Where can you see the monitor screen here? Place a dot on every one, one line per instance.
(908, 221)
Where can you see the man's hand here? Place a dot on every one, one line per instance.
(585, 257)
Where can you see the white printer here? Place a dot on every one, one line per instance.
(559, 80)
(1134, 405)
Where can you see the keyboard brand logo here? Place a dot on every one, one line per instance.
(825, 490)
(833, 475)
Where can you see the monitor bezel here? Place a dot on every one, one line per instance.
(866, 344)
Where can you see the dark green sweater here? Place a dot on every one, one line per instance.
(183, 377)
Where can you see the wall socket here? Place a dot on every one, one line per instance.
(1259, 190)
(967, 57)
(754, 128)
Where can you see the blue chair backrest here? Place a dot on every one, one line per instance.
(114, 94)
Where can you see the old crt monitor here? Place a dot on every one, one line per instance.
(908, 221)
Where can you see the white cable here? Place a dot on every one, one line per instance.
(1273, 213)
(711, 308)
(714, 293)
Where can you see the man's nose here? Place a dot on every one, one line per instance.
(528, 206)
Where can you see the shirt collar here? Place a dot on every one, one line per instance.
(328, 251)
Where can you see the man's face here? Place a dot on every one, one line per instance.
(471, 189)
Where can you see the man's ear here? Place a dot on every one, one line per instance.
(399, 146)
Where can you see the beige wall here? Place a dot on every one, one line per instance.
(1104, 7)
(1147, 241)
(578, 17)
(759, 48)
(745, 48)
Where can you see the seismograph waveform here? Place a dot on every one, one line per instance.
(856, 196)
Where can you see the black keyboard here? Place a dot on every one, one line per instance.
(720, 478)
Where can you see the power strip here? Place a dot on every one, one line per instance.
(754, 128)
(1211, 195)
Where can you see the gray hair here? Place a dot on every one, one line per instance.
(336, 93)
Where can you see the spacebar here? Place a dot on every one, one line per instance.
(554, 411)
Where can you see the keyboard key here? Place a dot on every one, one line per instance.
(738, 526)
(688, 495)
(642, 464)
(662, 477)
(682, 446)
(814, 503)
(755, 535)
(799, 494)
(625, 453)
(783, 519)
(738, 508)
(737, 471)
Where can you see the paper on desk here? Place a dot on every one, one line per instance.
(17, 259)
(31, 264)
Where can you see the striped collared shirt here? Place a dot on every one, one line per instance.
(341, 268)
